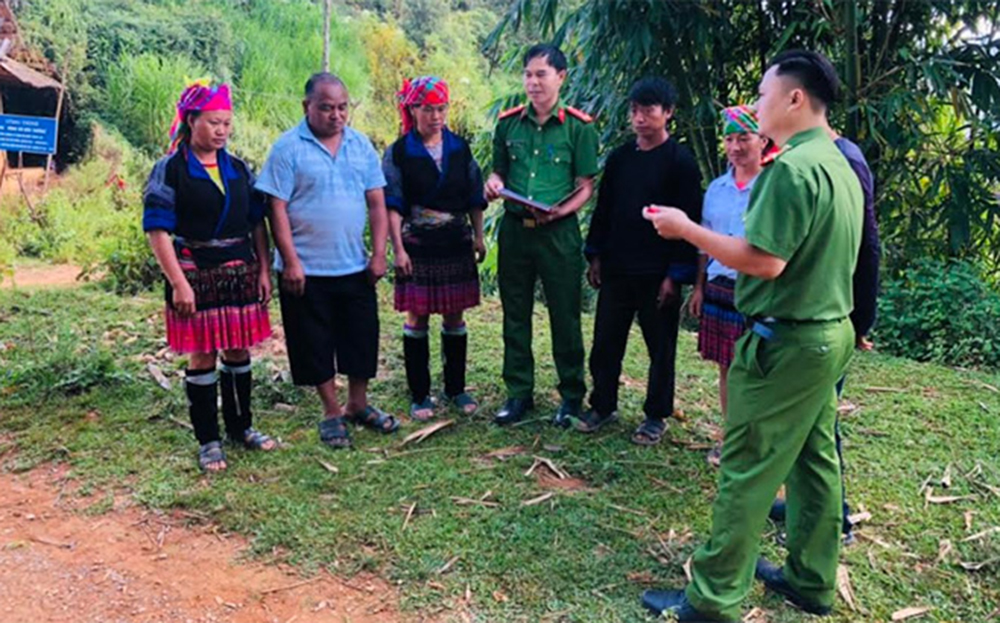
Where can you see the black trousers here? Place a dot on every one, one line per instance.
(621, 299)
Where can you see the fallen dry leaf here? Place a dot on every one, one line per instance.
(328, 467)
(538, 500)
(976, 566)
(930, 498)
(844, 587)
(448, 565)
(909, 613)
(158, 376)
(504, 453)
(473, 502)
(981, 535)
(640, 577)
(757, 615)
(687, 568)
(409, 515)
(499, 597)
(426, 432)
(946, 479)
(944, 548)
(968, 519)
(857, 518)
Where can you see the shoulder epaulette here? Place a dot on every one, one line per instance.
(771, 156)
(579, 114)
(510, 112)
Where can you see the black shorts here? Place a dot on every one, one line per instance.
(333, 327)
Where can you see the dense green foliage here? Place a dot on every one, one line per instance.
(942, 312)
(126, 61)
(922, 82)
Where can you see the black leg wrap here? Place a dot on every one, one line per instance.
(454, 350)
(202, 391)
(416, 352)
(235, 381)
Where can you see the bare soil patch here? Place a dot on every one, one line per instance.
(59, 563)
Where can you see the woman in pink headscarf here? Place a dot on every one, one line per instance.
(205, 225)
(434, 193)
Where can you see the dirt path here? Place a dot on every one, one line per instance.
(59, 564)
(42, 276)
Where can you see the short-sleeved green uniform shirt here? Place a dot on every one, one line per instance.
(542, 162)
(806, 208)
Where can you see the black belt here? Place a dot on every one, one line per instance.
(764, 326)
(527, 220)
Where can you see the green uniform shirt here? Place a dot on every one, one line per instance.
(806, 208)
(542, 162)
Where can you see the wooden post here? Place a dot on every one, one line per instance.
(327, 14)
(48, 159)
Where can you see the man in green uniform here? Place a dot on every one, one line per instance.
(803, 230)
(546, 153)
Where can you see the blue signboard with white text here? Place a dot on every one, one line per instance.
(33, 135)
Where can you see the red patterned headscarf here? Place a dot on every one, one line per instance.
(199, 96)
(417, 92)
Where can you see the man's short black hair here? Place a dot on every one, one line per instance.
(813, 71)
(653, 91)
(322, 77)
(552, 54)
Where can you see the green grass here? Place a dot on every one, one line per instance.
(74, 389)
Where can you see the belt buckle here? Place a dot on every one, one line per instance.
(529, 223)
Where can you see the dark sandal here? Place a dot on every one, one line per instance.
(253, 439)
(333, 432)
(376, 419)
(462, 401)
(426, 405)
(649, 433)
(209, 453)
(714, 456)
(591, 421)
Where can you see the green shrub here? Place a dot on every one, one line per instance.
(942, 312)
(129, 266)
(140, 94)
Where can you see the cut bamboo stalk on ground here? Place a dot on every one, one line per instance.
(909, 613)
(538, 500)
(448, 565)
(328, 467)
(426, 432)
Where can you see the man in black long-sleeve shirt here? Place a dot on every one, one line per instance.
(637, 272)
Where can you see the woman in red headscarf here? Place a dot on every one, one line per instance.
(435, 195)
(205, 225)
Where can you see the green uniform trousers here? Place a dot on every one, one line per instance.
(553, 252)
(779, 429)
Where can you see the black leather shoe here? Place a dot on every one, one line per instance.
(513, 411)
(774, 579)
(677, 604)
(568, 410)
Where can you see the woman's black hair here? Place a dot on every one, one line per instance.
(184, 130)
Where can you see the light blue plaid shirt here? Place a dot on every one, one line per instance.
(722, 211)
(327, 209)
